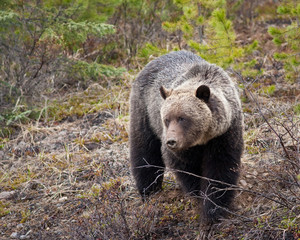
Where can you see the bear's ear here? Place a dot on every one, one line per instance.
(203, 93)
(164, 92)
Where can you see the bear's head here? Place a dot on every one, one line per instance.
(186, 117)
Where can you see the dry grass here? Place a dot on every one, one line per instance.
(71, 180)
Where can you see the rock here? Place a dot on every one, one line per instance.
(26, 236)
(14, 235)
(7, 195)
(19, 226)
(62, 199)
(243, 182)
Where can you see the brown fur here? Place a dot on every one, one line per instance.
(185, 113)
(190, 119)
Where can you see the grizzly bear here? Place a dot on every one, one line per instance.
(185, 114)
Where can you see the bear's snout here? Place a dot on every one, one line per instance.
(171, 143)
(174, 137)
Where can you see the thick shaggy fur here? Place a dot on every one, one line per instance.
(186, 114)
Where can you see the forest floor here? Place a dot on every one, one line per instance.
(70, 179)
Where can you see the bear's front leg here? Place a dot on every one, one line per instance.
(145, 155)
(221, 168)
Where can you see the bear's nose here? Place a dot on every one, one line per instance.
(171, 143)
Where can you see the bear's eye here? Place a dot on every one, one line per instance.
(167, 122)
(180, 119)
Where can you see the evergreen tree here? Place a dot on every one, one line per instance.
(38, 35)
(207, 30)
(41, 47)
(290, 38)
